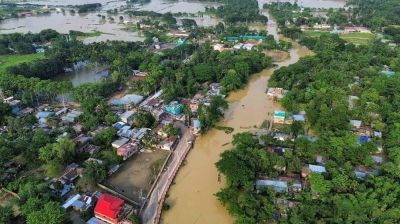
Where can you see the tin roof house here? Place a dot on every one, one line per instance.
(279, 116)
(174, 108)
(307, 169)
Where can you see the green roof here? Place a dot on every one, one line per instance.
(174, 108)
(280, 114)
(252, 37)
(231, 38)
(388, 73)
(180, 42)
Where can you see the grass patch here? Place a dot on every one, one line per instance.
(355, 38)
(227, 130)
(7, 61)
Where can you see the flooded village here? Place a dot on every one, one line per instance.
(153, 154)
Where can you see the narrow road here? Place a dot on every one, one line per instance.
(152, 211)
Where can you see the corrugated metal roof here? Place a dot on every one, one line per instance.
(317, 169)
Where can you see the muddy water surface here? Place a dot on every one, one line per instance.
(192, 198)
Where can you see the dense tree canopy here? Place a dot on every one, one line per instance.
(321, 85)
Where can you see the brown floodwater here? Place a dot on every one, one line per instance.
(89, 22)
(192, 196)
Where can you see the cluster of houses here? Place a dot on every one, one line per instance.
(108, 208)
(335, 29)
(293, 183)
(282, 117)
(290, 184)
(276, 93)
(246, 42)
(179, 37)
(130, 139)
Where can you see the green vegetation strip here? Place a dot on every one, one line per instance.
(355, 38)
(7, 61)
(227, 130)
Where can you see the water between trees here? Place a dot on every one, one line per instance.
(192, 198)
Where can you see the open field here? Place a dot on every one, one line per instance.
(12, 60)
(355, 38)
(138, 173)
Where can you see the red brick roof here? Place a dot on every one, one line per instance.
(109, 206)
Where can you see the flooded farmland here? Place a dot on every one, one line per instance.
(89, 22)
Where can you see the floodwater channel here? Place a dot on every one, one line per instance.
(86, 73)
(192, 196)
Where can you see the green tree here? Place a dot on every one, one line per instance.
(94, 173)
(6, 214)
(143, 119)
(170, 130)
(231, 81)
(5, 110)
(319, 184)
(51, 213)
(105, 137)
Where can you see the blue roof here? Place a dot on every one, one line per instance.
(388, 73)
(299, 117)
(360, 175)
(71, 201)
(78, 204)
(316, 168)
(95, 220)
(119, 125)
(196, 123)
(44, 114)
(363, 139)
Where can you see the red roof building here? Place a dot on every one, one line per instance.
(109, 208)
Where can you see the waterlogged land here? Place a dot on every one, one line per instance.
(91, 22)
(192, 198)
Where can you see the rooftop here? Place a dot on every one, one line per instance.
(128, 99)
(316, 168)
(279, 113)
(109, 206)
(278, 185)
